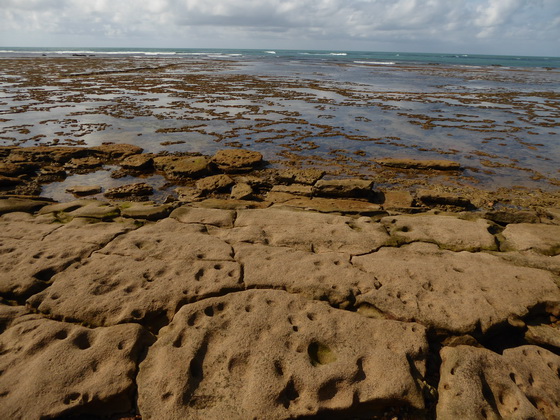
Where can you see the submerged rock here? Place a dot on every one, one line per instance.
(439, 164)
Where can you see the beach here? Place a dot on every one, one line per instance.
(275, 238)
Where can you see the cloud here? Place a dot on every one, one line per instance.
(416, 24)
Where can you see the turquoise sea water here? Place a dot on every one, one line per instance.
(361, 57)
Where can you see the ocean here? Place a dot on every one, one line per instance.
(498, 116)
(359, 57)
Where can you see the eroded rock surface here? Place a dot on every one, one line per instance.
(476, 383)
(52, 369)
(454, 291)
(272, 355)
(540, 238)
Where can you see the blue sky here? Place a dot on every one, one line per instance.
(517, 27)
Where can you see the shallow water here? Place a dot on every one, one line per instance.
(501, 124)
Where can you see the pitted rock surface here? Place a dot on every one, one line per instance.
(447, 232)
(143, 277)
(52, 369)
(272, 355)
(27, 264)
(477, 383)
(540, 238)
(307, 231)
(459, 292)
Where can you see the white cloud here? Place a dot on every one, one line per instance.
(473, 25)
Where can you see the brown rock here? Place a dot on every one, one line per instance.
(241, 192)
(84, 163)
(506, 217)
(51, 369)
(46, 154)
(84, 190)
(271, 355)
(13, 170)
(300, 176)
(236, 160)
(429, 197)
(188, 194)
(8, 205)
(94, 209)
(214, 217)
(448, 232)
(334, 205)
(138, 162)
(439, 164)
(477, 383)
(397, 200)
(346, 188)
(294, 189)
(181, 167)
(145, 211)
(8, 181)
(307, 231)
(28, 264)
(130, 190)
(458, 292)
(540, 238)
(230, 204)
(174, 263)
(118, 151)
(214, 183)
(544, 335)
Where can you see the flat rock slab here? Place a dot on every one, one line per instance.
(343, 188)
(236, 160)
(439, 164)
(145, 211)
(214, 217)
(329, 205)
(8, 205)
(307, 231)
(52, 369)
(447, 232)
(540, 238)
(458, 292)
(272, 355)
(143, 277)
(326, 276)
(27, 265)
(476, 383)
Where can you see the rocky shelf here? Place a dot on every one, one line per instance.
(301, 306)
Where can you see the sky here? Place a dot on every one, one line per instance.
(511, 27)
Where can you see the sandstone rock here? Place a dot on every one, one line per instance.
(540, 238)
(137, 162)
(20, 225)
(447, 232)
(281, 197)
(271, 355)
(49, 174)
(188, 194)
(327, 276)
(307, 231)
(241, 192)
(397, 200)
(300, 176)
(138, 189)
(46, 154)
(453, 291)
(543, 335)
(118, 151)
(181, 167)
(96, 210)
(334, 205)
(506, 217)
(479, 384)
(439, 164)
(236, 160)
(51, 369)
(28, 264)
(294, 189)
(14, 170)
(174, 263)
(429, 197)
(8, 205)
(8, 181)
(147, 211)
(230, 204)
(84, 163)
(214, 183)
(551, 214)
(83, 190)
(214, 217)
(346, 188)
